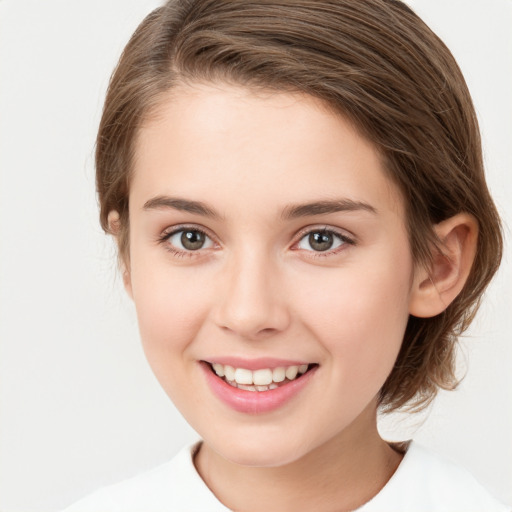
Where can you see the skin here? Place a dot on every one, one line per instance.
(257, 288)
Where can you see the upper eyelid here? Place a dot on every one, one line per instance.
(164, 238)
(172, 230)
(343, 233)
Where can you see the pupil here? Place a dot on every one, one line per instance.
(192, 240)
(320, 241)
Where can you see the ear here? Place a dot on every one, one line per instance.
(114, 226)
(436, 287)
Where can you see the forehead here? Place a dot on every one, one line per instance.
(231, 142)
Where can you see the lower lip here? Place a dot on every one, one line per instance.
(255, 402)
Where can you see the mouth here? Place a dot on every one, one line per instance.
(262, 379)
(266, 386)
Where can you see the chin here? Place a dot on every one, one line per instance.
(262, 458)
(264, 450)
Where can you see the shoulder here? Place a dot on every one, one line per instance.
(174, 485)
(425, 482)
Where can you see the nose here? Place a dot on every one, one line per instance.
(252, 302)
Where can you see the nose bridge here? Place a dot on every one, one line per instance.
(252, 303)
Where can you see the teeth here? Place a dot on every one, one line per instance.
(279, 374)
(219, 369)
(262, 377)
(291, 372)
(243, 376)
(258, 380)
(246, 388)
(229, 373)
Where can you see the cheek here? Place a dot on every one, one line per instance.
(171, 308)
(360, 317)
(171, 305)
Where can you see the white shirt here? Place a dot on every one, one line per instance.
(422, 483)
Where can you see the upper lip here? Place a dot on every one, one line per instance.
(257, 363)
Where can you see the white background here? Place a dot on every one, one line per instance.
(79, 407)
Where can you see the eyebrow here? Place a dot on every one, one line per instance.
(290, 212)
(183, 205)
(325, 207)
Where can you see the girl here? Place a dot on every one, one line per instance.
(297, 193)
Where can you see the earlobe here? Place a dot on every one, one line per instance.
(114, 223)
(127, 280)
(114, 226)
(435, 288)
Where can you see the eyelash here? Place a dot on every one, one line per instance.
(167, 235)
(328, 231)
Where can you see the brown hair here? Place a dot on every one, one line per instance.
(373, 61)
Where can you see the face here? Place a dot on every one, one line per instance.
(267, 245)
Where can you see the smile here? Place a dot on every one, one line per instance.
(260, 390)
(264, 379)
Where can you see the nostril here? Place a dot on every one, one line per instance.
(267, 330)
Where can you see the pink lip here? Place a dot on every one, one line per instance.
(255, 402)
(255, 364)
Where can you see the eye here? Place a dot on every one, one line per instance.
(189, 240)
(322, 240)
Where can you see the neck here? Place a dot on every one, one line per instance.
(342, 474)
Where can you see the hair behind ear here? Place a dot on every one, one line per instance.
(442, 306)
